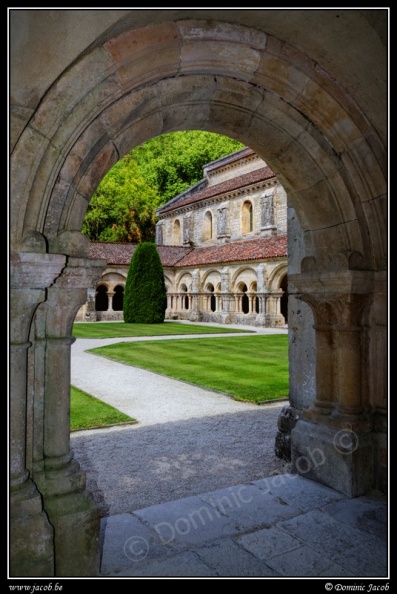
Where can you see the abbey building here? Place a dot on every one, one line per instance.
(223, 246)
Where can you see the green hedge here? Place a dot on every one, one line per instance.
(145, 296)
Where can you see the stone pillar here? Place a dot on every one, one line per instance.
(238, 297)
(90, 312)
(376, 345)
(70, 508)
(31, 534)
(188, 232)
(268, 227)
(110, 301)
(159, 233)
(274, 316)
(325, 391)
(172, 305)
(333, 443)
(261, 315)
(195, 314)
(222, 231)
(349, 334)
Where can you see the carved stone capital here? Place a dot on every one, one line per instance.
(35, 270)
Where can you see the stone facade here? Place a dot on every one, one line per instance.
(236, 271)
(240, 203)
(87, 86)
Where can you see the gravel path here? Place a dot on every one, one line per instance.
(188, 440)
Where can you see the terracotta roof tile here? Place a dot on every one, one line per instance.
(170, 255)
(121, 253)
(229, 185)
(261, 248)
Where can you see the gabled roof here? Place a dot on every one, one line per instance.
(236, 183)
(231, 158)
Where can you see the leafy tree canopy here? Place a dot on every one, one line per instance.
(173, 162)
(123, 207)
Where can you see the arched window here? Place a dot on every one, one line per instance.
(118, 298)
(207, 226)
(247, 220)
(101, 298)
(176, 232)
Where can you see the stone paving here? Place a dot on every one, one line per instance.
(272, 527)
(284, 526)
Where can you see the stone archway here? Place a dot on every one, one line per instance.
(254, 79)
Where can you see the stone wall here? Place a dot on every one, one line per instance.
(192, 220)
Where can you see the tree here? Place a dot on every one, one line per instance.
(145, 295)
(173, 162)
(123, 207)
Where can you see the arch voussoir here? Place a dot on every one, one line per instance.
(268, 82)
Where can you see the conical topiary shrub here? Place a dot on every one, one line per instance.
(145, 296)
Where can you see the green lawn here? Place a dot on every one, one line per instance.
(87, 412)
(121, 329)
(249, 368)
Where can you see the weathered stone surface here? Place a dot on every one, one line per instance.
(305, 89)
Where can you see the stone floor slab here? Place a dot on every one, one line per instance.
(268, 543)
(249, 506)
(189, 520)
(298, 491)
(182, 565)
(126, 542)
(229, 559)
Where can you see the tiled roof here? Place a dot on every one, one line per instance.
(170, 255)
(113, 253)
(121, 253)
(233, 157)
(229, 185)
(261, 248)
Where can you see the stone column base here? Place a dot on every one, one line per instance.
(274, 320)
(196, 316)
(76, 524)
(31, 536)
(226, 318)
(286, 422)
(338, 458)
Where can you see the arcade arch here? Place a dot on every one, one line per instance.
(101, 298)
(317, 125)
